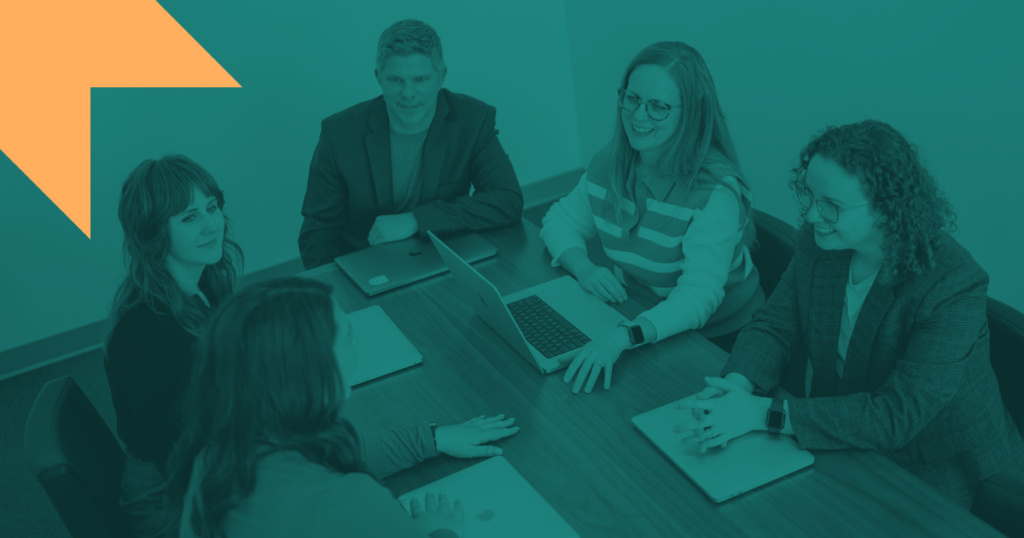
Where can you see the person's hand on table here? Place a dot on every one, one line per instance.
(467, 440)
(437, 515)
(601, 282)
(720, 418)
(595, 356)
(388, 228)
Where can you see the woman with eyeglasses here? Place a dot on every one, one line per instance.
(671, 208)
(882, 315)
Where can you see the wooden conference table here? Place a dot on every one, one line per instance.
(581, 451)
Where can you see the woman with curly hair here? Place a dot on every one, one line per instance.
(180, 262)
(889, 311)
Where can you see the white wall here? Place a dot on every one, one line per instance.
(947, 75)
(296, 66)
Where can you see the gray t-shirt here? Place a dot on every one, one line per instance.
(407, 169)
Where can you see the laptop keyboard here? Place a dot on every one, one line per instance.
(544, 328)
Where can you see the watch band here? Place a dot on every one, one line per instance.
(635, 332)
(776, 419)
(433, 434)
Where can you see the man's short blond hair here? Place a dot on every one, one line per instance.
(407, 37)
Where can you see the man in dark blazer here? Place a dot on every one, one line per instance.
(402, 163)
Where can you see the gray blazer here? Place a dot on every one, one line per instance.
(917, 385)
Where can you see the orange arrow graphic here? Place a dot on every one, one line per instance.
(53, 51)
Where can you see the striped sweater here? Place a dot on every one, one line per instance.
(686, 246)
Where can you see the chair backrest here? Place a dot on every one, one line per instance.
(77, 460)
(1006, 327)
(777, 248)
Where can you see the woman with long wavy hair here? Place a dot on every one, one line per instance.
(669, 203)
(882, 313)
(265, 451)
(180, 262)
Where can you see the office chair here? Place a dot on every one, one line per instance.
(1000, 498)
(78, 461)
(777, 247)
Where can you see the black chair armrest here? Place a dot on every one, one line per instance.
(1000, 503)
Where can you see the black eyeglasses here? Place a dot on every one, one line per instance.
(829, 211)
(657, 110)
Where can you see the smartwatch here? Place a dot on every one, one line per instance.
(636, 334)
(433, 434)
(776, 419)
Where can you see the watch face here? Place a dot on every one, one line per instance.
(636, 333)
(775, 419)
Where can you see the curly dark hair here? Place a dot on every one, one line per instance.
(895, 180)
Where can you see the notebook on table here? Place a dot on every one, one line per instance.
(498, 503)
(546, 324)
(381, 348)
(748, 462)
(390, 265)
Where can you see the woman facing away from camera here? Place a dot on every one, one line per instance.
(265, 451)
(671, 208)
(889, 311)
(180, 262)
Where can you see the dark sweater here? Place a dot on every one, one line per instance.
(148, 363)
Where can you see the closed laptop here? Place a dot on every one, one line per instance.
(381, 348)
(390, 265)
(498, 503)
(747, 462)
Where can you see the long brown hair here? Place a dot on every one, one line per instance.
(700, 143)
(266, 379)
(154, 192)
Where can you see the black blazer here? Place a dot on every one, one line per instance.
(350, 177)
(917, 385)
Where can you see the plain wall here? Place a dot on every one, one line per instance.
(297, 65)
(947, 75)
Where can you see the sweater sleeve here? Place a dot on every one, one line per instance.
(708, 246)
(569, 222)
(387, 452)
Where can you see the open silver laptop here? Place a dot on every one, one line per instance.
(498, 503)
(390, 265)
(381, 348)
(547, 324)
(748, 462)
